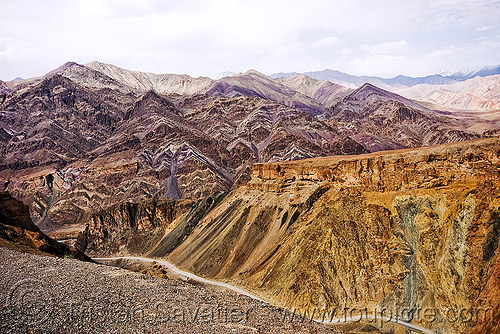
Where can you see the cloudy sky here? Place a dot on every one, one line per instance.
(203, 38)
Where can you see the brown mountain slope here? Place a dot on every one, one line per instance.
(253, 83)
(380, 120)
(19, 233)
(408, 229)
(324, 92)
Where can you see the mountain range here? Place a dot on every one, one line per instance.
(479, 93)
(85, 137)
(308, 193)
(399, 81)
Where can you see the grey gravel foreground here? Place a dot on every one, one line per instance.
(51, 295)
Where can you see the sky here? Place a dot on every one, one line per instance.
(204, 38)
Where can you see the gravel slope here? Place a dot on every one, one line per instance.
(55, 295)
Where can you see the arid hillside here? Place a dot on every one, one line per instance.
(409, 228)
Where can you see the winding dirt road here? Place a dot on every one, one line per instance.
(203, 280)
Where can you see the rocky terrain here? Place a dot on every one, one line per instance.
(78, 149)
(253, 83)
(49, 295)
(400, 230)
(84, 138)
(18, 232)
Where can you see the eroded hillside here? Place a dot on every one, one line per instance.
(84, 138)
(413, 228)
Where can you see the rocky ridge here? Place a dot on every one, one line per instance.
(381, 120)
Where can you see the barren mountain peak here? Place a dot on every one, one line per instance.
(255, 72)
(62, 68)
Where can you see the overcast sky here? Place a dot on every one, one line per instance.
(203, 38)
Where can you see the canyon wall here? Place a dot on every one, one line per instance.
(412, 230)
(18, 232)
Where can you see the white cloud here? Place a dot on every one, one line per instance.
(327, 41)
(205, 37)
(387, 48)
(484, 28)
(446, 51)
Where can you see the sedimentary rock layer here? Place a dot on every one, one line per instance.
(412, 228)
(19, 233)
(83, 138)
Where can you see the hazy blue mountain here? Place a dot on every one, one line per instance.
(472, 72)
(399, 81)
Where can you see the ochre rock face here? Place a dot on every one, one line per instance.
(412, 230)
(15, 213)
(130, 227)
(19, 233)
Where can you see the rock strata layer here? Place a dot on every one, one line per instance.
(19, 233)
(84, 138)
(404, 230)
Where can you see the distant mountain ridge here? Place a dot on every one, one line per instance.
(399, 81)
(479, 93)
(472, 72)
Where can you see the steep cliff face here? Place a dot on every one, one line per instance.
(406, 230)
(15, 213)
(19, 233)
(130, 228)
